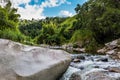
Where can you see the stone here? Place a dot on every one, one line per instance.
(75, 76)
(76, 60)
(96, 67)
(112, 45)
(22, 62)
(112, 49)
(104, 59)
(93, 74)
(110, 52)
(81, 68)
(114, 54)
(98, 76)
(118, 54)
(102, 50)
(114, 69)
(81, 57)
(82, 50)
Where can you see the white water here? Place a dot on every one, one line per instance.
(88, 65)
(69, 72)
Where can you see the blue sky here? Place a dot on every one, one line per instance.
(39, 9)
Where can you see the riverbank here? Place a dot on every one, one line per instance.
(67, 47)
(96, 67)
(111, 48)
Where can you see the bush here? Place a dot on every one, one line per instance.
(82, 37)
(12, 35)
(93, 46)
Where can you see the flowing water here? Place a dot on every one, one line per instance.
(91, 63)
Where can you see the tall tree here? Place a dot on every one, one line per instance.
(8, 16)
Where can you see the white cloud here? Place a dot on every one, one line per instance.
(36, 11)
(52, 3)
(16, 3)
(65, 13)
(2, 3)
(30, 12)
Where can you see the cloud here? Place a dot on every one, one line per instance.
(52, 3)
(30, 12)
(65, 13)
(16, 3)
(2, 4)
(36, 11)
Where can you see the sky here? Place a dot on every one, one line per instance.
(39, 9)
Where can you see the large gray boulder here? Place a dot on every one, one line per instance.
(22, 62)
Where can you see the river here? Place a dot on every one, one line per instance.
(85, 63)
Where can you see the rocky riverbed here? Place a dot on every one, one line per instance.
(92, 67)
(23, 62)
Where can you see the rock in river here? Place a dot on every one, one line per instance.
(112, 49)
(22, 62)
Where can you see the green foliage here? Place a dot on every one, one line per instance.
(48, 36)
(81, 36)
(31, 29)
(8, 17)
(9, 22)
(46, 31)
(93, 46)
(12, 35)
(96, 22)
(102, 17)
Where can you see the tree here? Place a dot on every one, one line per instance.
(101, 17)
(8, 16)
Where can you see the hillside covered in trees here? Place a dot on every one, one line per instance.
(95, 23)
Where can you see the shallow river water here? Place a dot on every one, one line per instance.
(90, 63)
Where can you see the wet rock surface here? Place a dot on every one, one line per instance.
(98, 75)
(114, 69)
(93, 67)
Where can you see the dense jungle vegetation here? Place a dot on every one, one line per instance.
(95, 23)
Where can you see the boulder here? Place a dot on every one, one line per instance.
(76, 60)
(22, 62)
(94, 74)
(111, 52)
(81, 57)
(75, 76)
(104, 59)
(81, 50)
(112, 49)
(98, 76)
(103, 50)
(118, 54)
(114, 69)
(112, 45)
(67, 47)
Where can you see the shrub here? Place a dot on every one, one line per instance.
(82, 37)
(12, 35)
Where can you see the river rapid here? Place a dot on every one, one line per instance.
(86, 67)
